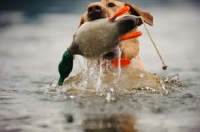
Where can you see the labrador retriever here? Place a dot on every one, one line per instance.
(107, 8)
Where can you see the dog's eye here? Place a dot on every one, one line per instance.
(111, 4)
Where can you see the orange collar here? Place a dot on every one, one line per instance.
(123, 62)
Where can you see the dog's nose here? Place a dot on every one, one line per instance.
(94, 8)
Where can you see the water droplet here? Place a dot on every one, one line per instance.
(141, 75)
(112, 90)
(153, 90)
(108, 97)
(147, 88)
(71, 96)
(113, 99)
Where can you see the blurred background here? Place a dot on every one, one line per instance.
(77, 6)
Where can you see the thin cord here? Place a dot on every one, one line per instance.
(164, 66)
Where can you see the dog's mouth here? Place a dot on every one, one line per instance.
(95, 16)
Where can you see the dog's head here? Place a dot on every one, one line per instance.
(107, 8)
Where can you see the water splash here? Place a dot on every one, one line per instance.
(101, 78)
(119, 64)
(85, 82)
(163, 86)
(78, 61)
(100, 73)
(171, 82)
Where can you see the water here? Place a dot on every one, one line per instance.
(119, 64)
(31, 48)
(100, 73)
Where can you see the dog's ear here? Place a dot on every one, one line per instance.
(148, 18)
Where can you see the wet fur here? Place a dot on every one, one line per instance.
(129, 48)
